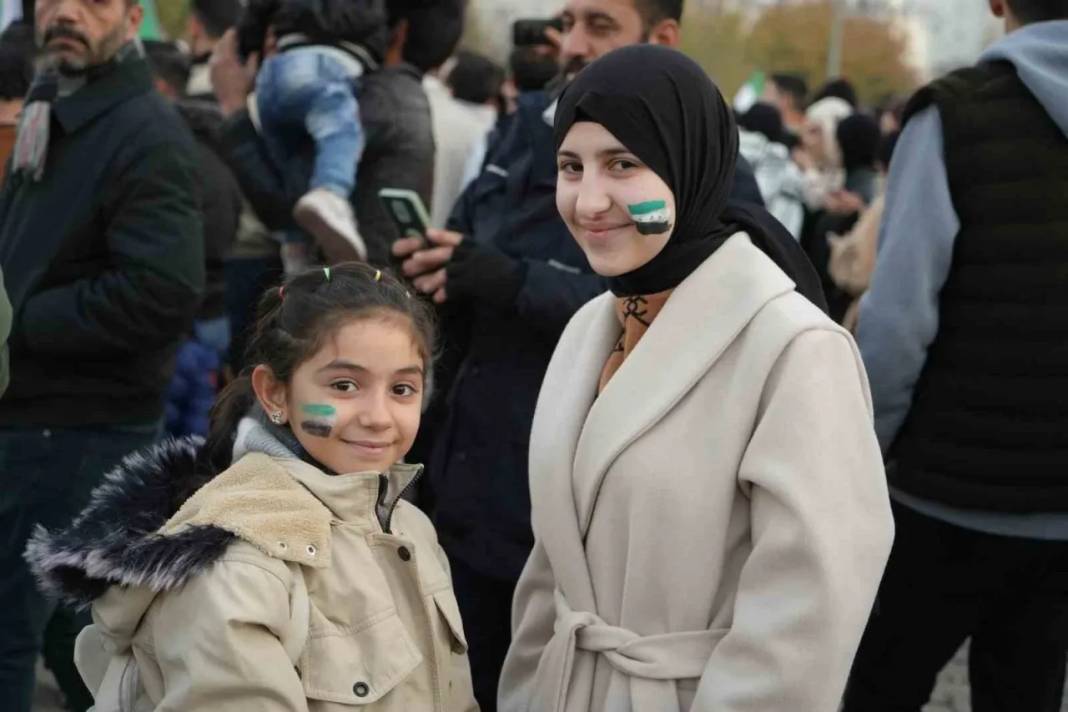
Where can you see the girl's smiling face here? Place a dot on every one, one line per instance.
(355, 405)
(603, 191)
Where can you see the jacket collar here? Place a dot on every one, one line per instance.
(128, 78)
(356, 497)
(577, 432)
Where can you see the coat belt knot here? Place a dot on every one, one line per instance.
(650, 662)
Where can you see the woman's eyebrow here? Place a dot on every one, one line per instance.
(603, 153)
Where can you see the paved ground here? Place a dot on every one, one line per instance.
(951, 695)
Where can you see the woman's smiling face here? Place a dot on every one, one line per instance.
(604, 192)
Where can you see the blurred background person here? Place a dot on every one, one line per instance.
(789, 94)
(818, 154)
(15, 75)
(464, 109)
(200, 358)
(761, 142)
(856, 140)
(852, 260)
(101, 246)
(207, 22)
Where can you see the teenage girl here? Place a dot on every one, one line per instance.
(710, 511)
(297, 578)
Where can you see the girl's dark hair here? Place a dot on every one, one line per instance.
(294, 321)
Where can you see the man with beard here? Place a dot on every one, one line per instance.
(509, 276)
(102, 252)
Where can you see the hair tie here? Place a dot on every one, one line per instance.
(326, 271)
(378, 275)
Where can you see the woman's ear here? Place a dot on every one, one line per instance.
(271, 394)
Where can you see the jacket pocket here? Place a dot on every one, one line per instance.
(449, 611)
(358, 667)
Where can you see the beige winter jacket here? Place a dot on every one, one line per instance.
(333, 598)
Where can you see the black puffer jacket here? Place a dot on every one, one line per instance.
(362, 22)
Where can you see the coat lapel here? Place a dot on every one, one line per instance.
(700, 320)
(569, 389)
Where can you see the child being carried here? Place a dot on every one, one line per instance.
(315, 52)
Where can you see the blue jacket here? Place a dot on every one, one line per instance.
(477, 488)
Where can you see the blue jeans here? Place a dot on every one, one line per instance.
(46, 477)
(305, 93)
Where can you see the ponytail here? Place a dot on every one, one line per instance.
(230, 407)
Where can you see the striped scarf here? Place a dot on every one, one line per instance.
(35, 122)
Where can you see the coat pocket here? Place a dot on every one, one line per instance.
(449, 611)
(358, 667)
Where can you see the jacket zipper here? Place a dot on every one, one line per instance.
(383, 488)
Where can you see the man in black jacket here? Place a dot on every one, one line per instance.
(102, 252)
(509, 276)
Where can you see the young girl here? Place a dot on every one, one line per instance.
(296, 578)
(709, 506)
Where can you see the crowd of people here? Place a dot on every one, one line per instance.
(708, 407)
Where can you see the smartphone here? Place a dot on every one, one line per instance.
(406, 209)
(527, 33)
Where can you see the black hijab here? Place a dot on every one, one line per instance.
(664, 108)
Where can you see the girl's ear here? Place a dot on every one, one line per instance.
(271, 393)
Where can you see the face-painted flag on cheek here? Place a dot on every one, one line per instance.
(651, 217)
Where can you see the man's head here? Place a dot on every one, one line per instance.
(476, 79)
(75, 35)
(208, 22)
(595, 27)
(1018, 13)
(424, 33)
(170, 67)
(788, 92)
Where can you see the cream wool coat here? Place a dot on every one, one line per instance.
(711, 530)
(314, 609)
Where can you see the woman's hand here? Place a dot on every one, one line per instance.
(427, 264)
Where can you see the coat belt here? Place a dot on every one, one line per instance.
(653, 663)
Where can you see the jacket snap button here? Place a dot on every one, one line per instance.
(311, 550)
(361, 689)
(404, 554)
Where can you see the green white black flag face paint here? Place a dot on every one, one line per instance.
(318, 420)
(651, 217)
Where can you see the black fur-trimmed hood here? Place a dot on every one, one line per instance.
(115, 539)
